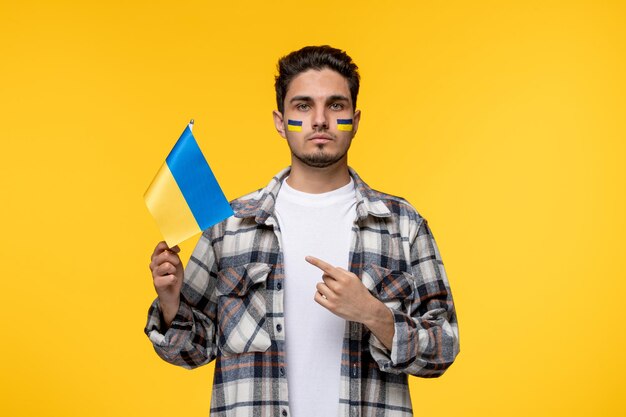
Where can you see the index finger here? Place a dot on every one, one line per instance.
(162, 247)
(323, 265)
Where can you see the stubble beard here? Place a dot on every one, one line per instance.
(320, 158)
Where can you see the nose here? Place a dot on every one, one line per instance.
(320, 119)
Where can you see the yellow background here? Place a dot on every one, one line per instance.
(502, 122)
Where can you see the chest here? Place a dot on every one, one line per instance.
(373, 240)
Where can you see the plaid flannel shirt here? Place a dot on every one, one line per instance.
(232, 309)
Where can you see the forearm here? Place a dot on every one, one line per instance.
(168, 309)
(379, 320)
(424, 346)
(183, 342)
(181, 321)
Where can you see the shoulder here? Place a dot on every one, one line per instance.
(245, 204)
(384, 205)
(400, 216)
(398, 206)
(244, 201)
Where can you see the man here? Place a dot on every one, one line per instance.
(320, 295)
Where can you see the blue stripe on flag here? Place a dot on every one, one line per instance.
(197, 183)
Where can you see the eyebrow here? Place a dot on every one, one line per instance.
(300, 98)
(338, 97)
(334, 97)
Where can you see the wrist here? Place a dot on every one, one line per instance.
(377, 313)
(381, 323)
(169, 309)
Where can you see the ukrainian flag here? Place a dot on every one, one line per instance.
(344, 124)
(184, 197)
(294, 125)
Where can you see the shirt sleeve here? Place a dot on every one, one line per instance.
(426, 335)
(190, 340)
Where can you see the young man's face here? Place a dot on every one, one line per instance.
(318, 121)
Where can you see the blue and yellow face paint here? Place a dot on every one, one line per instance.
(344, 125)
(294, 125)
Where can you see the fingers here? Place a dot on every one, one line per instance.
(165, 269)
(323, 265)
(165, 281)
(333, 283)
(324, 291)
(162, 247)
(165, 260)
(321, 299)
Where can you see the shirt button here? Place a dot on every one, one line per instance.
(282, 373)
(279, 328)
(284, 413)
(279, 286)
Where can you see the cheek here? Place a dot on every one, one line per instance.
(344, 139)
(294, 138)
(344, 124)
(294, 126)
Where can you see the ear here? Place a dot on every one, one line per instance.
(355, 122)
(279, 124)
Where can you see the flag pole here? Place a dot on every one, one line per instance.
(191, 125)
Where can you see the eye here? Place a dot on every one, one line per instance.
(336, 106)
(303, 107)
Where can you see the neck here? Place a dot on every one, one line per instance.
(318, 180)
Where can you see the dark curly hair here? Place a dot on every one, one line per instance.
(318, 58)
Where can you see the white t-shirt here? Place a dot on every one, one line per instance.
(318, 225)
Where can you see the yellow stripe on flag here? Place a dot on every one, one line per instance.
(169, 208)
(345, 128)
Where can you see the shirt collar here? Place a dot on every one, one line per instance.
(262, 205)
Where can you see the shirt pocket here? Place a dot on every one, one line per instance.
(241, 308)
(393, 287)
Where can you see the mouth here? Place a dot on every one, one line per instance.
(320, 139)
